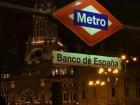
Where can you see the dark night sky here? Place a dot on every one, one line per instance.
(127, 11)
(15, 26)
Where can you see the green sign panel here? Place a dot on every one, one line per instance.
(77, 59)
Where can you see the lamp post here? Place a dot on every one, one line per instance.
(96, 83)
(13, 92)
(111, 77)
(125, 61)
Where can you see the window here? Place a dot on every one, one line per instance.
(73, 85)
(65, 97)
(83, 94)
(73, 96)
(5, 76)
(94, 93)
(128, 80)
(113, 92)
(127, 91)
(138, 92)
(83, 83)
(64, 85)
(71, 72)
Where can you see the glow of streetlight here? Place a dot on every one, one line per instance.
(134, 59)
(90, 83)
(102, 83)
(109, 69)
(123, 57)
(101, 70)
(106, 73)
(115, 71)
(127, 61)
(97, 82)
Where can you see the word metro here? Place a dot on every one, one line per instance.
(90, 19)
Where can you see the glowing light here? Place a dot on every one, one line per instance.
(109, 69)
(77, 3)
(117, 79)
(101, 70)
(108, 79)
(90, 83)
(97, 82)
(127, 61)
(134, 59)
(60, 44)
(116, 71)
(106, 73)
(102, 83)
(123, 57)
(38, 42)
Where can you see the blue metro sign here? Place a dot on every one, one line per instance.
(90, 19)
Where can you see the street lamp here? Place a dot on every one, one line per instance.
(101, 70)
(13, 92)
(102, 83)
(115, 71)
(90, 83)
(108, 71)
(111, 77)
(95, 83)
(125, 60)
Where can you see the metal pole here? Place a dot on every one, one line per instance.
(125, 83)
(0, 83)
(128, 27)
(108, 94)
(24, 9)
(96, 95)
(45, 12)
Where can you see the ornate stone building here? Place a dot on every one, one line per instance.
(34, 85)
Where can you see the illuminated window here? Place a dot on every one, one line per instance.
(71, 72)
(5, 76)
(53, 73)
(62, 71)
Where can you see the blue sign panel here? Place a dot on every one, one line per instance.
(90, 19)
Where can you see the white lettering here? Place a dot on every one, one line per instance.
(102, 22)
(81, 18)
(89, 20)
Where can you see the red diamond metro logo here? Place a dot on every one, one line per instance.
(89, 35)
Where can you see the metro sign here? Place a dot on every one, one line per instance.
(88, 20)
